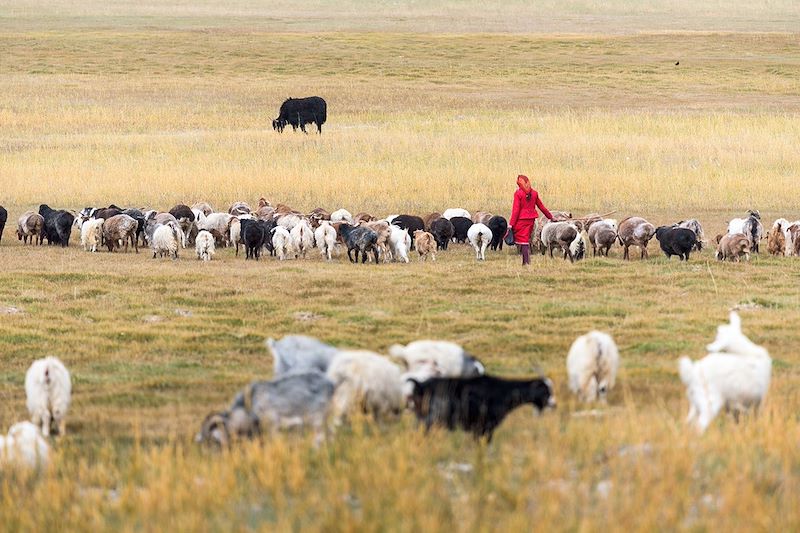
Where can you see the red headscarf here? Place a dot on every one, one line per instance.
(524, 183)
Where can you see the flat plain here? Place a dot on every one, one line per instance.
(430, 106)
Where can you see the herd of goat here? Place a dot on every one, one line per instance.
(287, 233)
(319, 387)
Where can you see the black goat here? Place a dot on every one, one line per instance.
(253, 237)
(442, 231)
(361, 239)
(57, 225)
(676, 241)
(461, 225)
(410, 222)
(499, 227)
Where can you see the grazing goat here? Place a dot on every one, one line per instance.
(791, 236)
(302, 238)
(203, 207)
(31, 226)
(363, 217)
(480, 236)
(733, 246)
(461, 226)
(448, 358)
(119, 230)
(289, 401)
(185, 217)
(410, 222)
(456, 212)
(602, 235)
(776, 239)
(325, 237)
(360, 239)
(676, 241)
(592, 365)
(48, 389)
(580, 243)
(635, 231)
(204, 245)
(478, 404)
(442, 230)
(367, 382)
(499, 227)
(57, 225)
(239, 208)
(426, 245)
(383, 230)
(735, 375)
(694, 225)
(750, 226)
(92, 234)
(24, 446)
(166, 240)
(341, 215)
(300, 353)
(281, 242)
(482, 217)
(429, 219)
(400, 243)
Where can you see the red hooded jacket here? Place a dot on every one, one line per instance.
(526, 208)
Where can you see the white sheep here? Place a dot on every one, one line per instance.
(592, 366)
(302, 238)
(442, 358)
(367, 382)
(204, 245)
(166, 240)
(456, 212)
(92, 234)
(281, 242)
(48, 388)
(734, 375)
(325, 238)
(480, 236)
(399, 243)
(341, 215)
(24, 446)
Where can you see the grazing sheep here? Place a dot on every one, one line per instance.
(442, 231)
(559, 234)
(166, 240)
(735, 375)
(203, 207)
(48, 389)
(342, 215)
(30, 226)
(426, 245)
(57, 225)
(461, 226)
(750, 226)
(92, 234)
(302, 238)
(400, 243)
(592, 366)
(478, 404)
(482, 217)
(290, 401)
(204, 245)
(300, 353)
(635, 231)
(119, 230)
(239, 208)
(499, 227)
(24, 446)
(367, 382)
(602, 235)
(360, 239)
(776, 239)
(410, 222)
(325, 237)
(428, 220)
(734, 247)
(383, 230)
(480, 236)
(694, 225)
(456, 212)
(281, 242)
(676, 241)
(448, 358)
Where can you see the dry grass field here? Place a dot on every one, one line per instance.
(430, 106)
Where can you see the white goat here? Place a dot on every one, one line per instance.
(302, 238)
(92, 234)
(367, 382)
(282, 242)
(442, 357)
(400, 243)
(48, 388)
(217, 221)
(325, 237)
(204, 245)
(24, 446)
(456, 212)
(166, 240)
(734, 375)
(480, 236)
(341, 215)
(592, 366)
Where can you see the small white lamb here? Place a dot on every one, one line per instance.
(24, 446)
(48, 388)
(734, 375)
(592, 366)
(204, 245)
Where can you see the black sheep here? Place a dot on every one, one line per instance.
(478, 404)
(461, 226)
(361, 239)
(410, 222)
(676, 241)
(3, 219)
(57, 225)
(442, 231)
(499, 226)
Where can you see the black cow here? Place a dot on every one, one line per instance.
(676, 241)
(57, 225)
(499, 227)
(478, 404)
(297, 112)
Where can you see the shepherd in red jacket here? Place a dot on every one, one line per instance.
(523, 216)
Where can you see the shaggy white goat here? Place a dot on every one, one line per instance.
(480, 236)
(282, 242)
(217, 221)
(399, 243)
(166, 240)
(365, 381)
(592, 366)
(325, 237)
(92, 234)
(734, 375)
(341, 215)
(204, 245)
(302, 238)
(447, 359)
(24, 446)
(48, 388)
(456, 212)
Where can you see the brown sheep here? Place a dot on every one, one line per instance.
(119, 229)
(29, 226)
(635, 231)
(428, 220)
(559, 234)
(733, 246)
(426, 245)
(481, 217)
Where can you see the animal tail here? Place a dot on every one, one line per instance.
(398, 351)
(686, 370)
(47, 375)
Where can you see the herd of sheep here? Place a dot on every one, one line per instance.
(319, 387)
(287, 233)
